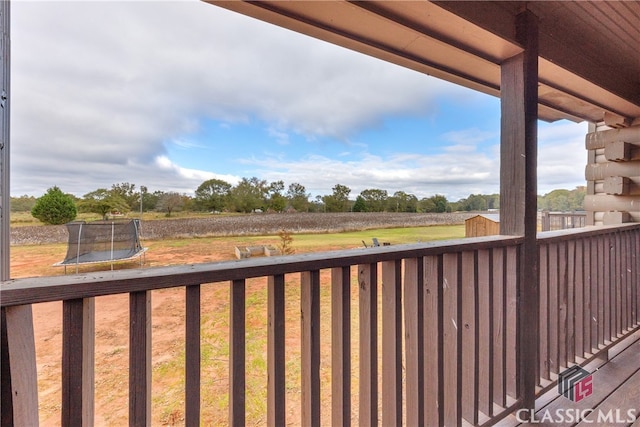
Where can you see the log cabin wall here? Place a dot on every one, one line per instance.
(613, 173)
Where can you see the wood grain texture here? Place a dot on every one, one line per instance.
(78, 353)
(414, 339)
(140, 358)
(392, 343)
(20, 344)
(192, 356)
(341, 346)
(276, 387)
(237, 354)
(310, 353)
(368, 301)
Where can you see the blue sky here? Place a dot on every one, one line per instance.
(180, 92)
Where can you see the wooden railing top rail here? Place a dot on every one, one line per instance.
(583, 232)
(59, 288)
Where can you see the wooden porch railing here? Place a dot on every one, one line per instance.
(449, 316)
(589, 294)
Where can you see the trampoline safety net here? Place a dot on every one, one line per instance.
(102, 241)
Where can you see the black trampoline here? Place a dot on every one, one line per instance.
(103, 241)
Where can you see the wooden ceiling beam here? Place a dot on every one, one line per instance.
(557, 45)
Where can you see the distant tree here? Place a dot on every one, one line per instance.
(212, 195)
(277, 201)
(375, 199)
(437, 203)
(359, 205)
(493, 201)
(128, 193)
(22, 204)
(170, 202)
(249, 195)
(298, 197)
(187, 203)
(54, 207)
(576, 198)
(150, 200)
(339, 200)
(563, 200)
(402, 202)
(103, 202)
(318, 204)
(475, 202)
(557, 200)
(426, 204)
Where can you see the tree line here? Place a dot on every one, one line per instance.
(257, 195)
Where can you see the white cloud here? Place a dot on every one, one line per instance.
(100, 85)
(561, 156)
(99, 88)
(455, 175)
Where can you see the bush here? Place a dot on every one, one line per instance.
(55, 207)
(286, 242)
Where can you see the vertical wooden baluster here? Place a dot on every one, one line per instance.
(571, 301)
(433, 341)
(20, 386)
(562, 305)
(452, 319)
(469, 330)
(392, 343)
(140, 358)
(554, 304)
(237, 354)
(595, 299)
(485, 347)
(498, 328)
(368, 300)
(608, 306)
(341, 347)
(276, 392)
(414, 339)
(192, 356)
(579, 298)
(310, 318)
(587, 277)
(511, 271)
(544, 316)
(78, 350)
(602, 286)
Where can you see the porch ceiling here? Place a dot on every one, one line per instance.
(589, 60)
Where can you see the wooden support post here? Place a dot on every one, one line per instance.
(5, 71)
(518, 189)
